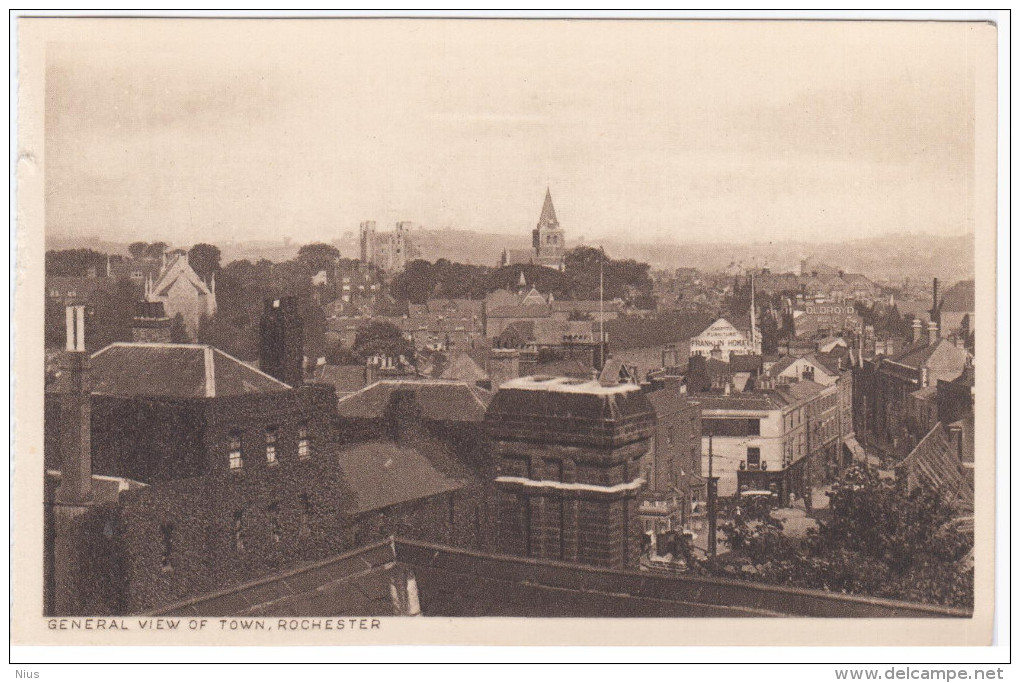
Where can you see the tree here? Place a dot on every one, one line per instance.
(318, 256)
(156, 249)
(75, 262)
(204, 259)
(879, 541)
(338, 354)
(138, 249)
(377, 338)
(415, 283)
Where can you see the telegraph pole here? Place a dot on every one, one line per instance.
(713, 492)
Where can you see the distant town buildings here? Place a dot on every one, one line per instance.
(548, 245)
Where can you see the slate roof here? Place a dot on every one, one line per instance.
(629, 332)
(345, 378)
(568, 367)
(384, 473)
(440, 400)
(173, 371)
(458, 582)
(520, 311)
(959, 298)
(463, 367)
(935, 464)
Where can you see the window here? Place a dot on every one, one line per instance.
(753, 458)
(236, 461)
(304, 449)
(166, 558)
(238, 531)
(273, 511)
(271, 446)
(71, 293)
(670, 435)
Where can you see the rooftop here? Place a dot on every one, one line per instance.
(568, 385)
(440, 400)
(174, 371)
(384, 473)
(376, 579)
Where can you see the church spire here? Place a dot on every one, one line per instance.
(548, 217)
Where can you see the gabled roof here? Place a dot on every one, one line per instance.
(920, 354)
(175, 371)
(935, 464)
(463, 367)
(384, 473)
(815, 360)
(345, 378)
(440, 400)
(721, 325)
(959, 298)
(176, 270)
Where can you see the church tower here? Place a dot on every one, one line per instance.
(547, 237)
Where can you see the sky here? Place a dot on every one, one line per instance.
(218, 130)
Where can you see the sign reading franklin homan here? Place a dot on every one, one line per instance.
(296, 363)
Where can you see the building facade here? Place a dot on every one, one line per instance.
(724, 338)
(570, 454)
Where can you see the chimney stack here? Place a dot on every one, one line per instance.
(151, 323)
(76, 416)
(917, 330)
(73, 496)
(281, 340)
(503, 366)
(933, 332)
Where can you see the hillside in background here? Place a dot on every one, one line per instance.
(891, 257)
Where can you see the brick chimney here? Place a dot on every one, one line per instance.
(669, 356)
(917, 330)
(503, 366)
(933, 332)
(74, 492)
(281, 340)
(76, 416)
(151, 323)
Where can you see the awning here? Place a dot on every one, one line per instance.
(858, 452)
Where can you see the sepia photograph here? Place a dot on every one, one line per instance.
(505, 331)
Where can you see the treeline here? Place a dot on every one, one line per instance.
(624, 279)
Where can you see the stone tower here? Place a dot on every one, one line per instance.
(569, 455)
(367, 233)
(547, 237)
(281, 341)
